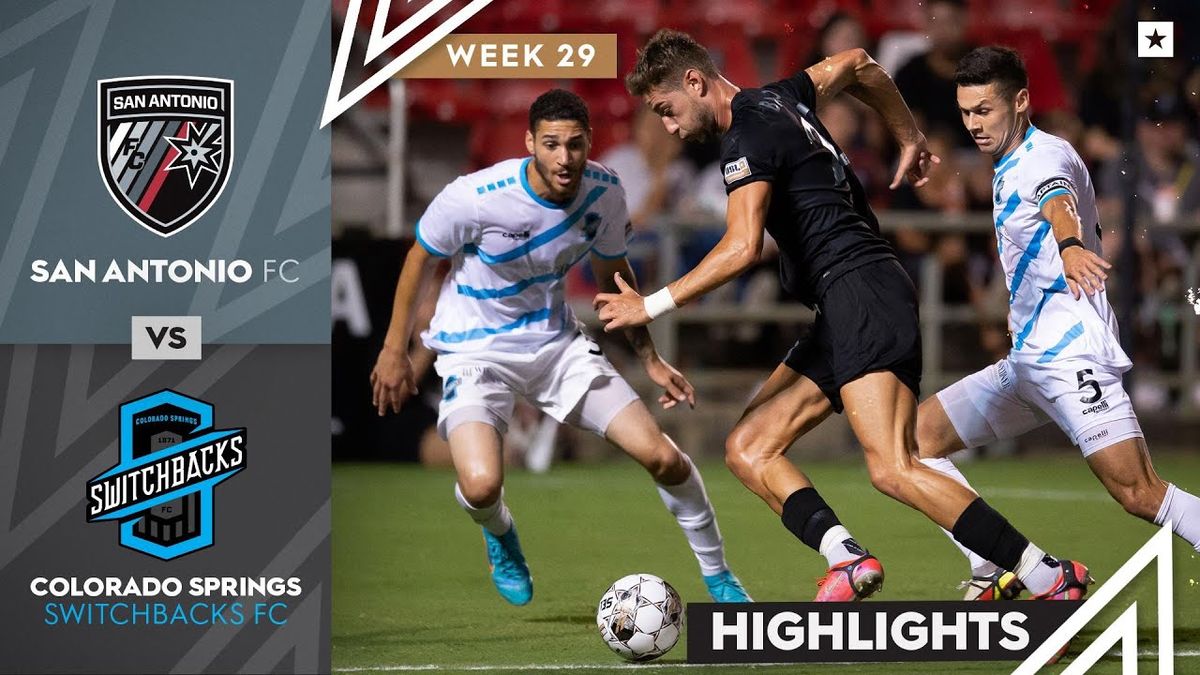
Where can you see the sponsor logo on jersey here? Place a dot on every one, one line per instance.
(515, 235)
(737, 170)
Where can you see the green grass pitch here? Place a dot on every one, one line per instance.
(411, 591)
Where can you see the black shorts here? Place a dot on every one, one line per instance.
(866, 321)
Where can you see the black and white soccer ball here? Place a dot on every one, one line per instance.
(640, 617)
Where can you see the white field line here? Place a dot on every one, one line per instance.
(398, 668)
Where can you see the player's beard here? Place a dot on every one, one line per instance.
(559, 193)
(706, 126)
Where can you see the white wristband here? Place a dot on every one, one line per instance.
(659, 303)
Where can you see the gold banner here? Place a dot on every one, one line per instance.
(519, 55)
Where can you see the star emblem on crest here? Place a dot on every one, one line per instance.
(198, 152)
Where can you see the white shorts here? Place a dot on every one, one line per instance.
(1008, 398)
(568, 379)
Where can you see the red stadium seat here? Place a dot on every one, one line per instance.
(498, 139)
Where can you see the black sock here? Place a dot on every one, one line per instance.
(808, 517)
(983, 530)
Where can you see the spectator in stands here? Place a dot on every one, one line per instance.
(861, 136)
(1166, 163)
(927, 80)
(655, 176)
(852, 131)
(652, 171)
(842, 31)
(967, 261)
(1100, 99)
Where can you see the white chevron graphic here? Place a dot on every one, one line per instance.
(335, 103)
(1124, 629)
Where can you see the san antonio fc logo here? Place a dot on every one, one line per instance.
(164, 146)
(161, 490)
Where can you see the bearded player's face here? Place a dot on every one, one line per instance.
(560, 151)
(684, 113)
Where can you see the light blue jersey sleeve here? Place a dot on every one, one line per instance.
(613, 233)
(450, 222)
(1050, 171)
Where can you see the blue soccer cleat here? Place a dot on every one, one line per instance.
(724, 587)
(509, 571)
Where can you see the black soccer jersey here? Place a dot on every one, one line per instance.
(818, 213)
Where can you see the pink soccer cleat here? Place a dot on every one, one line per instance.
(851, 581)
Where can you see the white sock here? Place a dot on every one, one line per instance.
(1183, 510)
(838, 546)
(980, 566)
(688, 502)
(1035, 570)
(494, 518)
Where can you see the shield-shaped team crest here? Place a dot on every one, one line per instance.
(164, 146)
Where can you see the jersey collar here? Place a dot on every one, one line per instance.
(1008, 155)
(534, 196)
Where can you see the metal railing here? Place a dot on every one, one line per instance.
(936, 316)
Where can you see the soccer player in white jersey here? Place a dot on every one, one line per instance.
(1066, 360)
(502, 329)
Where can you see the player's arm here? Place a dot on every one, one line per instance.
(393, 377)
(856, 73)
(737, 251)
(1082, 268)
(607, 271)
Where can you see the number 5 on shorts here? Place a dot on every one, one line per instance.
(1083, 384)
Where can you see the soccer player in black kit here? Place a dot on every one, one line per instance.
(863, 355)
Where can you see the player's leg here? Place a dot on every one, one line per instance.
(473, 416)
(1127, 473)
(1089, 402)
(882, 413)
(475, 448)
(634, 430)
(788, 406)
(977, 410)
(610, 408)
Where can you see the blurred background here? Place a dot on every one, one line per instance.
(1134, 121)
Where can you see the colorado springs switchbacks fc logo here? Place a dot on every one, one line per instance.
(164, 145)
(161, 490)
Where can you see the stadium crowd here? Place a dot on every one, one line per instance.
(1080, 83)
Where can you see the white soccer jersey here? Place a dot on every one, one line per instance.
(509, 251)
(1044, 318)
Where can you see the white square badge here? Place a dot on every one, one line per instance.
(1156, 39)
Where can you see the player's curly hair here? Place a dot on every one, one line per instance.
(985, 65)
(664, 60)
(558, 104)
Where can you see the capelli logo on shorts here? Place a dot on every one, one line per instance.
(1098, 408)
(1095, 437)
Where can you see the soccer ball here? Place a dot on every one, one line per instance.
(640, 617)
